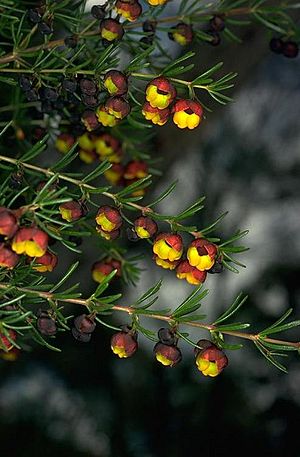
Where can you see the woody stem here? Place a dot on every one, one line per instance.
(255, 337)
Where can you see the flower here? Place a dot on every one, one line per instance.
(8, 222)
(87, 156)
(108, 147)
(160, 93)
(187, 114)
(167, 355)
(115, 174)
(8, 258)
(129, 9)
(111, 30)
(84, 323)
(71, 211)
(210, 360)
(100, 270)
(109, 236)
(217, 23)
(89, 120)
(136, 169)
(182, 33)
(118, 107)
(105, 118)
(47, 262)
(145, 227)
(168, 246)
(124, 344)
(155, 115)
(166, 264)
(64, 142)
(191, 274)
(157, 2)
(86, 142)
(201, 254)
(7, 339)
(46, 324)
(108, 218)
(115, 82)
(31, 241)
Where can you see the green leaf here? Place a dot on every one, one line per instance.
(211, 71)
(231, 327)
(236, 305)
(104, 285)
(191, 303)
(65, 277)
(281, 328)
(102, 168)
(279, 321)
(164, 194)
(270, 358)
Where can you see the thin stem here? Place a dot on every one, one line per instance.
(167, 318)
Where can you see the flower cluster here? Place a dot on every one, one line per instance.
(160, 95)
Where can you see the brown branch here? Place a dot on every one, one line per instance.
(255, 337)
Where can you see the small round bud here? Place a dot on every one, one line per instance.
(149, 26)
(217, 24)
(46, 324)
(82, 337)
(69, 85)
(111, 30)
(145, 227)
(45, 28)
(84, 324)
(88, 86)
(276, 45)
(24, 82)
(166, 336)
(115, 82)
(34, 15)
(290, 49)
(128, 9)
(167, 355)
(31, 95)
(182, 33)
(98, 12)
(89, 120)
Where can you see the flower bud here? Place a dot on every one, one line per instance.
(167, 337)
(89, 120)
(129, 9)
(98, 11)
(47, 262)
(145, 227)
(71, 211)
(46, 324)
(167, 355)
(69, 85)
(210, 360)
(155, 115)
(111, 30)
(86, 142)
(191, 274)
(166, 264)
(84, 323)
(88, 86)
(202, 254)
(8, 259)
(217, 23)
(114, 174)
(101, 270)
(124, 344)
(182, 33)
(108, 218)
(290, 49)
(64, 142)
(31, 241)
(187, 114)
(87, 156)
(8, 222)
(149, 26)
(168, 246)
(160, 93)
(115, 82)
(10, 356)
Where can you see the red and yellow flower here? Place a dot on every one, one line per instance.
(157, 2)
(47, 262)
(160, 93)
(155, 115)
(71, 211)
(202, 254)
(167, 355)
(8, 223)
(86, 142)
(136, 169)
(109, 236)
(210, 360)
(8, 258)
(129, 9)
(100, 270)
(115, 82)
(118, 107)
(87, 156)
(6, 340)
(187, 114)
(145, 227)
(111, 30)
(182, 33)
(191, 274)
(108, 218)
(124, 344)
(64, 142)
(31, 241)
(108, 147)
(168, 246)
(105, 118)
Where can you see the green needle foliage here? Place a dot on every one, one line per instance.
(57, 90)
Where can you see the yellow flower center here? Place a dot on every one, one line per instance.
(142, 232)
(163, 360)
(201, 262)
(119, 351)
(105, 223)
(180, 39)
(157, 100)
(110, 86)
(86, 143)
(108, 35)
(106, 119)
(184, 120)
(206, 367)
(31, 248)
(166, 252)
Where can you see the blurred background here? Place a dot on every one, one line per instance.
(85, 402)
